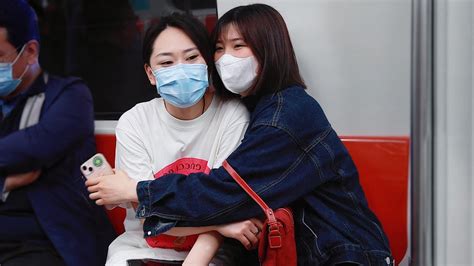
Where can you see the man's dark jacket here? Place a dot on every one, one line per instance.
(62, 139)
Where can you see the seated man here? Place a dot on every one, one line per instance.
(46, 132)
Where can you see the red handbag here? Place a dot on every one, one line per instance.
(276, 246)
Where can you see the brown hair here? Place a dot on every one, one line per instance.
(265, 32)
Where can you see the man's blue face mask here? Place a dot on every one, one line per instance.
(182, 85)
(7, 83)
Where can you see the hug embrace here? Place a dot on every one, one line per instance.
(238, 97)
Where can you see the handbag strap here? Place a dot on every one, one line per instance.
(267, 210)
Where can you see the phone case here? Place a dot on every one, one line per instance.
(97, 165)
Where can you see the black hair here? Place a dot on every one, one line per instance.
(198, 34)
(20, 21)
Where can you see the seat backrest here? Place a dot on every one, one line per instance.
(382, 163)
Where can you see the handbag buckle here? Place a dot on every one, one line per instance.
(274, 236)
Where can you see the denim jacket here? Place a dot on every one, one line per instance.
(290, 156)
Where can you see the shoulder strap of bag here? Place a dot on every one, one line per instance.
(268, 212)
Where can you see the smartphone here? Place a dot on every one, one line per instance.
(97, 165)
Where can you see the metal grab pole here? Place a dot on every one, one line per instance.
(421, 133)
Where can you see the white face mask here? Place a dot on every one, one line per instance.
(237, 74)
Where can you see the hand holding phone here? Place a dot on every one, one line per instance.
(96, 166)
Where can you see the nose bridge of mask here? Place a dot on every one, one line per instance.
(231, 65)
(182, 85)
(237, 74)
(228, 59)
(170, 74)
(199, 71)
(180, 72)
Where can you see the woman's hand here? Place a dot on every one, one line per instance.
(246, 232)
(112, 189)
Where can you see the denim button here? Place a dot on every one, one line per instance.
(149, 233)
(387, 260)
(142, 212)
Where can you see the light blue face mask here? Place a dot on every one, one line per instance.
(182, 85)
(7, 83)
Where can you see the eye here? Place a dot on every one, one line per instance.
(219, 48)
(192, 57)
(239, 45)
(166, 63)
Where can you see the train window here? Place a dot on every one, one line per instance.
(100, 41)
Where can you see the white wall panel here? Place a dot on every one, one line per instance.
(355, 57)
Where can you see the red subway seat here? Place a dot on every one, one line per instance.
(383, 168)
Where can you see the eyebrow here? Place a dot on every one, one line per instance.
(230, 40)
(170, 54)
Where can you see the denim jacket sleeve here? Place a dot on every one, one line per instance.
(270, 159)
(61, 126)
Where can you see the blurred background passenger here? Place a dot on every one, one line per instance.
(46, 132)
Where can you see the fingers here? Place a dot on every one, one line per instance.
(93, 188)
(257, 223)
(94, 196)
(97, 198)
(92, 181)
(251, 238)
(245, 242)
(255, 229)
(250, 232)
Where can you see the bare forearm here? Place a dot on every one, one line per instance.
(204, 249)
(186, 231)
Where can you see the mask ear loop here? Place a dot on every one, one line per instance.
(18, 56)
(22, 74)
(16, 59)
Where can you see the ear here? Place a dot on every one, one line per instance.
(31, 52)
(149, 73)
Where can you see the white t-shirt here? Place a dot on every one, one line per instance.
(151, 142)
